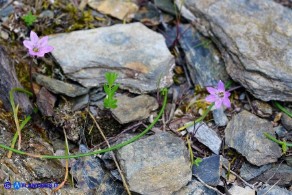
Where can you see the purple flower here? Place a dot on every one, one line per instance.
(219, 95)
(37, 47)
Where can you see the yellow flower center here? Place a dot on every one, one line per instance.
(35, 49)
(220, 94)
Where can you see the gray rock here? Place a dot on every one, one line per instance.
(209, 170)
(97, 95)
(47, 14)
(273, 190)
(220, 117)
(80, 102)
(206, 136)
(281, 131)
(237, 190)
(249, 171)
(30, 169)
(158, 164)
(262, 109)
(280, 174)
(46, 102)
(121, 9)
(287, 121)
(166, 5)
(149, 14)
(138, 54)
(8, 81)
(204, 62)
(288, 160)
(60, 87)
(7, 11)
(133, 109)
(245, 133)
(195, 188)
(89, 175)
(250, 35)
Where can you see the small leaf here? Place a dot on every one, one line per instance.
(106, 89)
(197, 161)
(29, 19)
(115, 88)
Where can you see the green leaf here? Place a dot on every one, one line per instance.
(29, 19)
(111, 78)
(106, 89)
(110, 88)
(115, 88)
(198, 161)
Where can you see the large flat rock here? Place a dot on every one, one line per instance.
(255, 39)
(245, 133)
(158, 164)
(138, 54)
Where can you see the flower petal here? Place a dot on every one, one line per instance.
(43, 41)
(211, 98)
(46, 49)
(28, 44)
(226, 102)
(34, 37)
(218, 103)
(32, 53)
(221, 86)
(227, 94)
(211, 90)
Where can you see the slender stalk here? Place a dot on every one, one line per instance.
(66, 165)
(30, 79)
(198, 120)
(16, 120)
(283, 109)
(277, 141)
(115, 147)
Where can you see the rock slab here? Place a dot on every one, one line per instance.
(138, 54)
(195, 188)
(249, 171)
(8, 81)
(280, 174)
(245, 133)
(209, 170)
(90, 175)
(206, 136)
(60, 87)
(158, 164)
(254, 37)
(133, 109)
(203, 60)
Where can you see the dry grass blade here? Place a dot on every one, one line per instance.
(114, 158)
(67, 165)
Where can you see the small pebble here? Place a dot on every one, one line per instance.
(281, 131)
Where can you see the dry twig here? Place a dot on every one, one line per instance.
(114, 158)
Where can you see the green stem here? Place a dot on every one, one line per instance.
(283, 109)
(277, 141)
(115, 147)
(15, 115)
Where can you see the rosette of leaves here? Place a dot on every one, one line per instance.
(29, 19)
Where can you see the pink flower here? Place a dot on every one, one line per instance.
(37, 47)
(219, 95)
